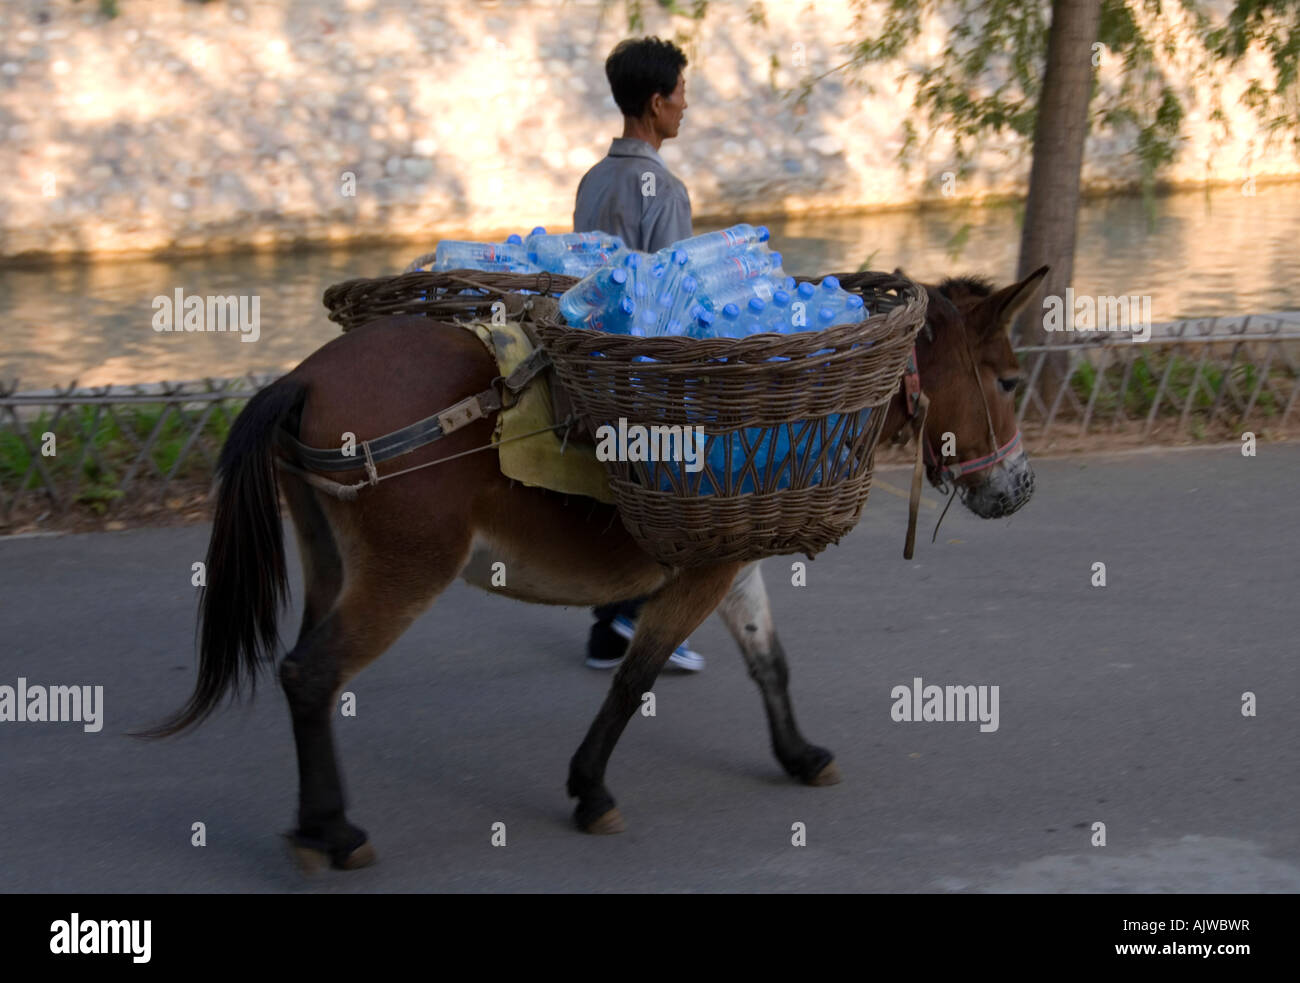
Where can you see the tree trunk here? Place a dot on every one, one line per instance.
(1051, 212)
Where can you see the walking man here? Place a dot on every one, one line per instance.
(632, 194)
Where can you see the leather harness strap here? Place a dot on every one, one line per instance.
(422, 432)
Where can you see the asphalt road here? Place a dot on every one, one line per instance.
(1119, 705)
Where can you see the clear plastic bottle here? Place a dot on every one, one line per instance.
(599, 292)
(618, 319)
(453, 254)
(711, 246)
(855, 310)
(754, 318)
(779, 317)
(731, 272)
(682, 299)
(550, 251)
(727, 323)
(703, 324)
(582, 264)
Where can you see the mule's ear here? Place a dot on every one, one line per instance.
(1002, 307)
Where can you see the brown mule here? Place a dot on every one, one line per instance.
(371, 566)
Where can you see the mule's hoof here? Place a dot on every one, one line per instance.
(310, 861)
(362, 856)
(609, 822)
(313, 857)
(829, 775)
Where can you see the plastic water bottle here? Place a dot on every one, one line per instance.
(727, 322)
(763, 287)
(779, 316)
(825, 317)
(619, 320)
(680, 302)
(600, 291)
(733, 271)
(581, 264)
(646, 324)
(840, 307)
(703, 325)
(550, 251)
(855, 310)
(712, 246)
(752, 322)
(453, 254)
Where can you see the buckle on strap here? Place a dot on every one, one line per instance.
(459, 414)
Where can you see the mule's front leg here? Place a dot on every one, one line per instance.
(748, 615)
(664, 623)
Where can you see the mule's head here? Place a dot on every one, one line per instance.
(969, 373)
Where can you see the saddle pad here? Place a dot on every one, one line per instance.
(541, 460)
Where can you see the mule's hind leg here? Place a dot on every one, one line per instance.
(748, 615)
(665, 621)
(322, 567)
(389, 584)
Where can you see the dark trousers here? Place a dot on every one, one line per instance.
(627, 609)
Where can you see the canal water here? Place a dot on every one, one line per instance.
(1217, 252)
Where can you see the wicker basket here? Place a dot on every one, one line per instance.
(438, 295)
(791, 425)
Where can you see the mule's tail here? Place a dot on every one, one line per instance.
(245, 570)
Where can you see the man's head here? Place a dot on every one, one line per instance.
(645, 75)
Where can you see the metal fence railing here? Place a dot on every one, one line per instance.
(102, 448)
(98, 446)
(1191, 377)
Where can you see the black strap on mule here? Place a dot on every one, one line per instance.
(504, 392)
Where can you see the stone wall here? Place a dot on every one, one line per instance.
(206, 126)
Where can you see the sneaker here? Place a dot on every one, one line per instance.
(683, 657)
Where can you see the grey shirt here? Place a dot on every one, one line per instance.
(616, 196)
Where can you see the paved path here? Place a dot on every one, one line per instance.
(1118, 705)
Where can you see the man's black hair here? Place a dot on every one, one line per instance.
(637, 68)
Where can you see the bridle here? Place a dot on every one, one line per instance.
(916, 405)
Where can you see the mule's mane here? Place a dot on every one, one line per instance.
(976, 286)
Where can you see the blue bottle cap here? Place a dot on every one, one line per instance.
(703, 316)
(618, 275)
(514, 240)
(788, 283)
(776, 261)
(756, 306)
(538, 231)
(763, 233)
(826, 314)
(627, 306)
(831, 283)
(731, 311)
(781, 298)
(679, 257)
(532, 257)
(689, 284)
(806, 290)
(854, 302)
